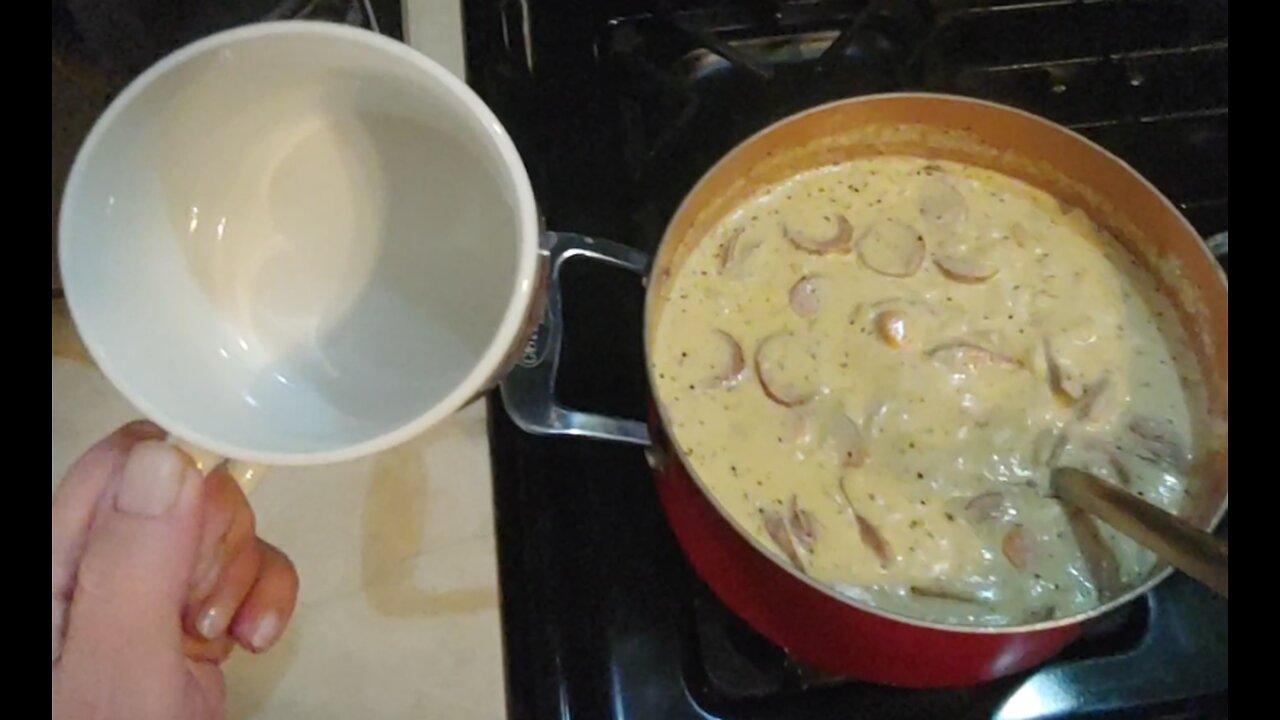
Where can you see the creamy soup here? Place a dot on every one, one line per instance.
(873, 366)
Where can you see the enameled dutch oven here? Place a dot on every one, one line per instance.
(813, 622)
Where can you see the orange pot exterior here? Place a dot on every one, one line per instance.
(838, 634)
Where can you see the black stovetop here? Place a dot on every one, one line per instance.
(618, 107)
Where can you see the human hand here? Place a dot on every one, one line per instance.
(158, 574)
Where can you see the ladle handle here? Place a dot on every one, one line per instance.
(1198, 553)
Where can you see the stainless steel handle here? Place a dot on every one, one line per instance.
(1200, 554)
(1217, 244)
(528, 391)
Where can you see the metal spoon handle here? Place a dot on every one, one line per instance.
(1195, 552)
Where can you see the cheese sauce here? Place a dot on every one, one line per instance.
(872, 366)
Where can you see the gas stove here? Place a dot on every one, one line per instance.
(618, 107)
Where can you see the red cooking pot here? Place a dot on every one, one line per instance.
(813, 622)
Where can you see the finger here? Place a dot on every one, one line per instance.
(228, 530)
(212, 617)
(208, 651)
(136, 569)
(73, 506)
(266, 611)
(209, 685)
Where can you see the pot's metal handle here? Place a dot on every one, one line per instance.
(528, 391)
(1217, 244)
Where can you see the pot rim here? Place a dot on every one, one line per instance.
(661, 436)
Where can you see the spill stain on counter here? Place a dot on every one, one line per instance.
(396, 508)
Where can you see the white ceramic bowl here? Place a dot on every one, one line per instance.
(298, 242)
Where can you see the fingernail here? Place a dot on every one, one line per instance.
(266, 632)
(153, 478)
(212, 622)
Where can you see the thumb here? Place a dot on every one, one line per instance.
(137, 566)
